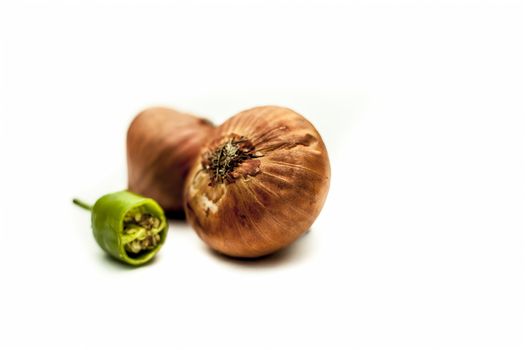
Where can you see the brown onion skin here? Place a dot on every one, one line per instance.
(162, 144)
(272, 199)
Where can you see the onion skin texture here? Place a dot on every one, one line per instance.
(162, 144)
(268, 200)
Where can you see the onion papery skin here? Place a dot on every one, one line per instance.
(268, 200)
(162, 144)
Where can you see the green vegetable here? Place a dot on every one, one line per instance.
(129, 227)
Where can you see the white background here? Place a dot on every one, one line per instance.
(420, 243)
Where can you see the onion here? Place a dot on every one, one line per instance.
(259, 184)
(162, 144)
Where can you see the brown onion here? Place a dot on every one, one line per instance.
(162, 144)
(259, 183)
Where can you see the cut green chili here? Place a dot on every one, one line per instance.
(129, 227)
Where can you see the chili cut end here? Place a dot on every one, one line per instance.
(141, 232)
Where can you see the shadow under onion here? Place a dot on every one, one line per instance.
(291, 254)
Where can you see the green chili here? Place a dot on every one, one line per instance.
(129, 227)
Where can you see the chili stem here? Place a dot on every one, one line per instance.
(82, 204)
